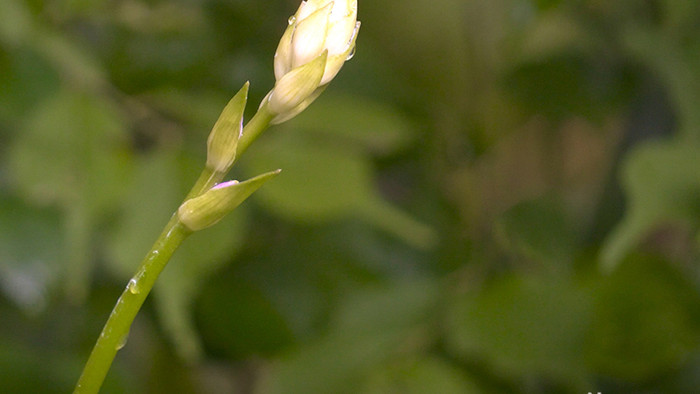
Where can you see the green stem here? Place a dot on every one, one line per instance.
(257, 124)
(116, 330)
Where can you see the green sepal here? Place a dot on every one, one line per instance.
(297, 85)
(206, 210)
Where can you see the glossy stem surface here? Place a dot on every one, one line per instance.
(116, 330)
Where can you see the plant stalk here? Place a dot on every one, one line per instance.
(116, 330)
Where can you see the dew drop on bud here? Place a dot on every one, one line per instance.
(351, 54)
(292, 19)
(133, 287)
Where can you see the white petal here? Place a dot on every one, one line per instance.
(283, 55)
(335, 62)
(309, 7)
(339, 35)
(309, 38)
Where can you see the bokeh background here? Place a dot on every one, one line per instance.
(494, 196)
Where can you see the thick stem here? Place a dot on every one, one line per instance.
(116, 330)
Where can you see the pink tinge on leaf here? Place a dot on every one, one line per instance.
(224, 184)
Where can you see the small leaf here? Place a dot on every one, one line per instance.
(207, 209)
(320, 182)
(645, 321)
(236, 319)
(538, 230)
(524, 326)
(72, 147)
(324, 182)
(662, 182)
(373, 327)
(152, 196)
(30, 240)
(419, 375)
(375, 126)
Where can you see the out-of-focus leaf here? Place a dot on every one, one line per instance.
(73, 147)
(419, 376)
(646, 320)
(554, 32)
(575, 85)
(31, 369)
(152, 196)
(681, 15)
(524, 326)
(30, 253)
(198, 110)
(375, 126)
(72, 153)
(341, 360)
(677, 66)
(323, 182)
(320, 182)
(237, 320)
(662, 182)
(74, 62)
(539, 230)
(401, 305)
(17, 22)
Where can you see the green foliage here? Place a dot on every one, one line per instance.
(552, 241)
(470, 207)
(643, 302)
(368, 330)
(662, 182)
(525, 326)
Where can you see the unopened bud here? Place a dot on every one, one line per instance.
(207, 209)
(223, 139)
(318, 27)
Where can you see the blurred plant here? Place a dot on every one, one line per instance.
(320, 38)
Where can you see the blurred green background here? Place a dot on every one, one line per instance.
(494, 196)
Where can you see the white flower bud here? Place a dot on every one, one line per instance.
(318, 26)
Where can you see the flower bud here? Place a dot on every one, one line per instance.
(207, 209)
(297, 85)
(318, 27)
(223, 139)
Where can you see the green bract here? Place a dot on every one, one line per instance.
(223, 139)
(206, 210)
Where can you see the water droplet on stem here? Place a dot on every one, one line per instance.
(133, 286)
(122, 341)
(292, 19)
